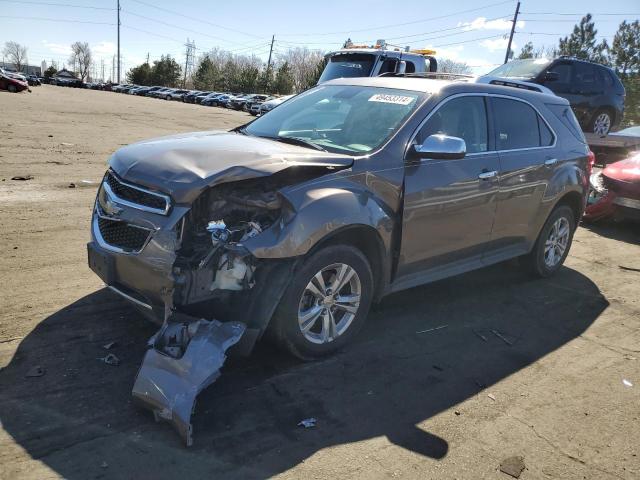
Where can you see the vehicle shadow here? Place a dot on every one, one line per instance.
(478, 329)
(624, 231)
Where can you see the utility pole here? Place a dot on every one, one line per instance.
(147, 58)
(102, 65)
(113, 68)
(266, 79)
(189, 61)
(118, 41)
(513, 28)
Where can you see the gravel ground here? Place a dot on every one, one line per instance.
(453, 402)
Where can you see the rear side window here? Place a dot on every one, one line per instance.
(564, 72)
(605, 77)
(568, 119)
(546, 137)
(585, 74)
(516, 124)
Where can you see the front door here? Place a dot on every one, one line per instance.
(449, 205)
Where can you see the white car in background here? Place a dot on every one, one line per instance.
(271, 104)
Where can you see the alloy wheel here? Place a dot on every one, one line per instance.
(557, 242)
(602, 124)
(329, 303)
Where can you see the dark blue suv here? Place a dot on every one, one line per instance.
(594, 91)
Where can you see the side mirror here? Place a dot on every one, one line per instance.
(441, 147)
(401, 68)
(551, 76)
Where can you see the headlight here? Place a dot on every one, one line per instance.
(596, 182)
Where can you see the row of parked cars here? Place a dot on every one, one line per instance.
(17, 82)
(255, 103)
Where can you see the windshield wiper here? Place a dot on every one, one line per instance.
(298, 141)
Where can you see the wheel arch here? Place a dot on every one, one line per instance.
(366, 239)
(573, 200)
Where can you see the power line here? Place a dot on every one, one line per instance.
(469, 41)
(400, 24)
(61, 20)
(57, 4)
(195, 19)
(580, 14)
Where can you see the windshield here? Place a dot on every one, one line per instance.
(339, 118)
(348, 65)
(528, 68)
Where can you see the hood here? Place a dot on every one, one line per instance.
(186, 164)
(623, 177)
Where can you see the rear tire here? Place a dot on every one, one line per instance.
(312, 321)
(601, 122)
(553, 243)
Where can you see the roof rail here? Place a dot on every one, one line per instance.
(586, 60)
(509, 82)
(433, 75)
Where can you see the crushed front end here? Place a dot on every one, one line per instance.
(165, 257)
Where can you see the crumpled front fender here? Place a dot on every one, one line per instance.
(315, 214)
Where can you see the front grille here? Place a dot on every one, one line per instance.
(136, 195)
(122, 235)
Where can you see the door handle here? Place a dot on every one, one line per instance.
(549, 162)
(488, 175)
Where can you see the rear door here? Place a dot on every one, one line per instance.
(589, 90)
(449, 205)
(526, 148)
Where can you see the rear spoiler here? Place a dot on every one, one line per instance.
(510, 82)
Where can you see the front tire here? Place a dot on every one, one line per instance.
(325, 304)
(553, 243)
(12, 88)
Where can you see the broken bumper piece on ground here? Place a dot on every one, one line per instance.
(185, 358)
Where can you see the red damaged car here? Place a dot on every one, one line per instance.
(11, 82)
(615, 191)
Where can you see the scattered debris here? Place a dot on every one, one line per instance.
(58, 162)
(491, 396)
(626, 356)
(109, 346)
(110, 359)
(185, 357)
(36, 371)
(629, 269)
(627, 383)
(478, 334)
(50, 136)
(502, 337)
(433, 329)
(457, 412)
(512, 466)
(22, 177)
(438, 367)
(307, 422)
(72, 185)
(66, 144)
(104, 465)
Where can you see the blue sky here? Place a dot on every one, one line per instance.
(467, 30)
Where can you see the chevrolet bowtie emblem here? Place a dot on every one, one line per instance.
(110, 207)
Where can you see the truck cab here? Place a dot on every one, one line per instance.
(372, 61)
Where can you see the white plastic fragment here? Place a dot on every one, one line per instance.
(307, 422)
(627, 383)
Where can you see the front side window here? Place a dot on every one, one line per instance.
(518, 125)
(564, 73)
(339, 118)
(585, 74)
(463, 117)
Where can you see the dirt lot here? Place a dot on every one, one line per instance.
(448, 403)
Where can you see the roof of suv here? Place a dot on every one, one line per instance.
(451, 87)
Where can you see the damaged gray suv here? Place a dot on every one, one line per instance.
(295, 223)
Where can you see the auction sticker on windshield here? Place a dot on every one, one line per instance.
(397, 99)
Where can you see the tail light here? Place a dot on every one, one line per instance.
(591, 162)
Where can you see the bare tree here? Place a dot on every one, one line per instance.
(303, 64)
(16, 53)
(81, 58)
(447, 65)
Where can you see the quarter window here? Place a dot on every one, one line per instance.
(519, 126)
(463, 117)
